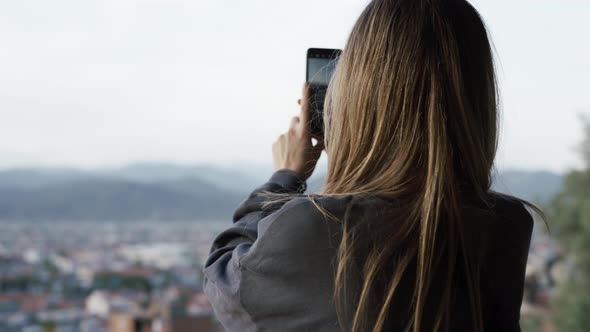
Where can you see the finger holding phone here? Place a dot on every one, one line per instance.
(294, 150)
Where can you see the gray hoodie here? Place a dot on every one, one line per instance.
(273, 268)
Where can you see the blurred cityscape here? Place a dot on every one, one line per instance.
(104, 277)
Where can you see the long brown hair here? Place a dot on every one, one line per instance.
(411, 114)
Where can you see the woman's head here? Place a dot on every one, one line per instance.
(415, 86)
(411, 113)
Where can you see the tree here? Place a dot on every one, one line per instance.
(570, 218)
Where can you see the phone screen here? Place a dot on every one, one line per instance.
(321, 64)
(320, 71)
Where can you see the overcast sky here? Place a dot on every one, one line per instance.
(89, 83)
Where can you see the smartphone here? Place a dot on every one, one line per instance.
(321, 64)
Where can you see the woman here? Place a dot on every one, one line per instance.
(406, 234)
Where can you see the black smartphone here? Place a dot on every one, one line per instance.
(321, 64)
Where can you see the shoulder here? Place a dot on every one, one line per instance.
(500, 224)
(308, 213)
(511, 210)
(510, 229)
(299, 229)
(501, 209)
(303, 213)
(302, 209)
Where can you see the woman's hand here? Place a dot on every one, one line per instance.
(294, 150)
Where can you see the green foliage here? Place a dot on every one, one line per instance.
(48, 326)
(570, 219)
(116, 281)
(572, 307)
(21, 283)
(586, 144)
(531, 324)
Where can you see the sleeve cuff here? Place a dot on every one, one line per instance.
(290, 180)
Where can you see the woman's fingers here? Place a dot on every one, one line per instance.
(305, 109)
(295, 149)
(295, 121)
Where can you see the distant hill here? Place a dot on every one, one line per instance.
(137, 192)
(118, 200)
(31, 178)
(149, 191)
(534, 186)
(224, 178)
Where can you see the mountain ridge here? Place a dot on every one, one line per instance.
(160, 191)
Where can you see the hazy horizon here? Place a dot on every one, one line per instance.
(105, 83)
(246, 167)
